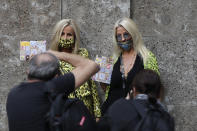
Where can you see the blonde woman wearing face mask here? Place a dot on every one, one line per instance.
(130, 56)
(66, 38)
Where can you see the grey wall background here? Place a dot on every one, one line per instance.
(168, 27)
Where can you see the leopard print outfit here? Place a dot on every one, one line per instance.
(86, 92)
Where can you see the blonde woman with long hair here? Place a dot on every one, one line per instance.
(130, 56)
(66, 38)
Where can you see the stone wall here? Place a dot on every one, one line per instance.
(169, 29)
(167, 26)
(95, 19)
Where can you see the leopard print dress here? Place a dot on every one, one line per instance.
(86, 92)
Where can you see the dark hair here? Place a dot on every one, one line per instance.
(43, 66)
(148, 82)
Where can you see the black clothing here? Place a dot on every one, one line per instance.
(123, 115)
(116, 89)
(70, 114)
(120, 113)
(28, 103)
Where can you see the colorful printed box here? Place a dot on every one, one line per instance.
(106, 66)
(31, 48)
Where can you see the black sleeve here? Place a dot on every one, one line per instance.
(62, 84)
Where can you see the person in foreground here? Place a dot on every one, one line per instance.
(130, 56)
(28, 103)
(142, 113)
(66, 38)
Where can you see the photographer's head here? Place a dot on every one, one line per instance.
(44, 66)
(147, 82)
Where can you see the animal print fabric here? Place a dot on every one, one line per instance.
(88, 91)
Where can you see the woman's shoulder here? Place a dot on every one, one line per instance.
(83, 52)
(151, 62)
(151, 54)
(151, 57)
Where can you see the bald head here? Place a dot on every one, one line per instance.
(43, 58)
(43, 66)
